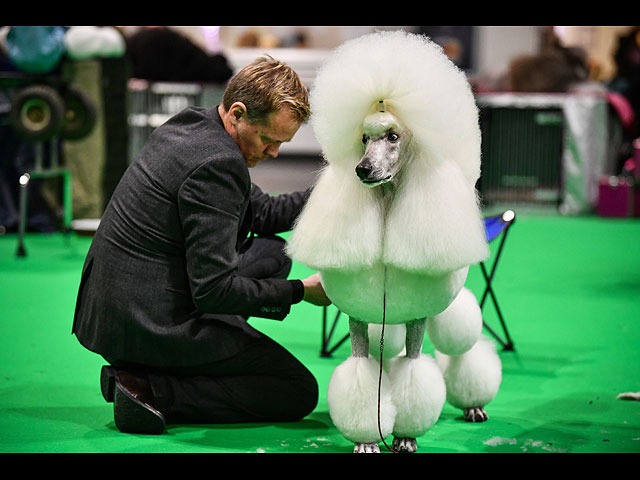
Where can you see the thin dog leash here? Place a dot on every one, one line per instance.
(384, 314)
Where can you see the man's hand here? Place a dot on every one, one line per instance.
(313, 291)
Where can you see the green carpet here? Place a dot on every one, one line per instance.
(569, 289)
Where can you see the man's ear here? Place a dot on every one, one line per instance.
(237, 111)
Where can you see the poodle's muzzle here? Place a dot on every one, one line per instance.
(385, 144)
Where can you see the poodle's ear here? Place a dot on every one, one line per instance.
(339, 227)
(435, 224)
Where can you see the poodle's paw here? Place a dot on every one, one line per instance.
(362, 447)
(475, 415)
(404, 445)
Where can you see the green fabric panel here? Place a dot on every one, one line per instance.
(568, 287)
(85, 158)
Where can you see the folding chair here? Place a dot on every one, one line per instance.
(495, 226)
(326, 350)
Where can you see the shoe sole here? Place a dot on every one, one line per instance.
(133, 416)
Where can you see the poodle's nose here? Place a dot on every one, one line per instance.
(363, 170)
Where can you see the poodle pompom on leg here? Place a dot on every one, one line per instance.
(418, 390)
(419, 393)
(353, 395)
(459, 327)
(472, 379)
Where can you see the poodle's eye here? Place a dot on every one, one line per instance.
(364, 138)
(392, 137)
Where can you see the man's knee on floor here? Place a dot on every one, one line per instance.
(298, 408)
(297, 401)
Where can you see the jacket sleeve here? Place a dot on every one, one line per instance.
(210, 203)
(276, 214)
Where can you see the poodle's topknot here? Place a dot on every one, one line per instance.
(434, 224)
(416, 81)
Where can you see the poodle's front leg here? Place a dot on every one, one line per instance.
(353, 395)
(418, 390)
(359, 334)
(414, 341)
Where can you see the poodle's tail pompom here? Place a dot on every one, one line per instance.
(459, 327)
(353, 400)
(393, 340)
(473, 378)
(323, 239)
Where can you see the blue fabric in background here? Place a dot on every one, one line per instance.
(494, 226)
(36, 49)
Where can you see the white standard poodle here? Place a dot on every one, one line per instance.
(392, 225)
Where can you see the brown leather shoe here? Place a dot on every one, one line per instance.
(132, 398)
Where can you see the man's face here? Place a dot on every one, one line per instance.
(258, 142)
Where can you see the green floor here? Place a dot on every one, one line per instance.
(569, 289)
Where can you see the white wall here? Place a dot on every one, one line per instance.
(496, 46)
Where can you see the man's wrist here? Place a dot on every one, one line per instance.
(298, 291)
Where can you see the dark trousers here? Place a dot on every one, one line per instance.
(263, 383)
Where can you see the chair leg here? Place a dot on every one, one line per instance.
(508, 343)
(22, 225)
(327, 351)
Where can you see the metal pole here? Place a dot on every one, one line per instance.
(24, 183)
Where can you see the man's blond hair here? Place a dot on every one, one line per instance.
(265, 86)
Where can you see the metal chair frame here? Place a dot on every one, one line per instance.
(506, 220)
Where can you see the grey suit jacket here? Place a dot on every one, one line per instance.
(160, 278)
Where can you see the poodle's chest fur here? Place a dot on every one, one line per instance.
(381, 290)
(408, 258)
(368, 294)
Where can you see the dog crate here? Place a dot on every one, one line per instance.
(543, 150)
(522, 155)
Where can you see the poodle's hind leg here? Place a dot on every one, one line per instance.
(418, 389)
(414, 341)
(353, 395)
(473, 379)
(415, 337)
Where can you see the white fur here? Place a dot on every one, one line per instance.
(403, 260)
(399, 295)
(394, 337)
(418, 251)
(419, 394)
(435, 225)
(473, 378)
(353, 400)
(458, 328)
